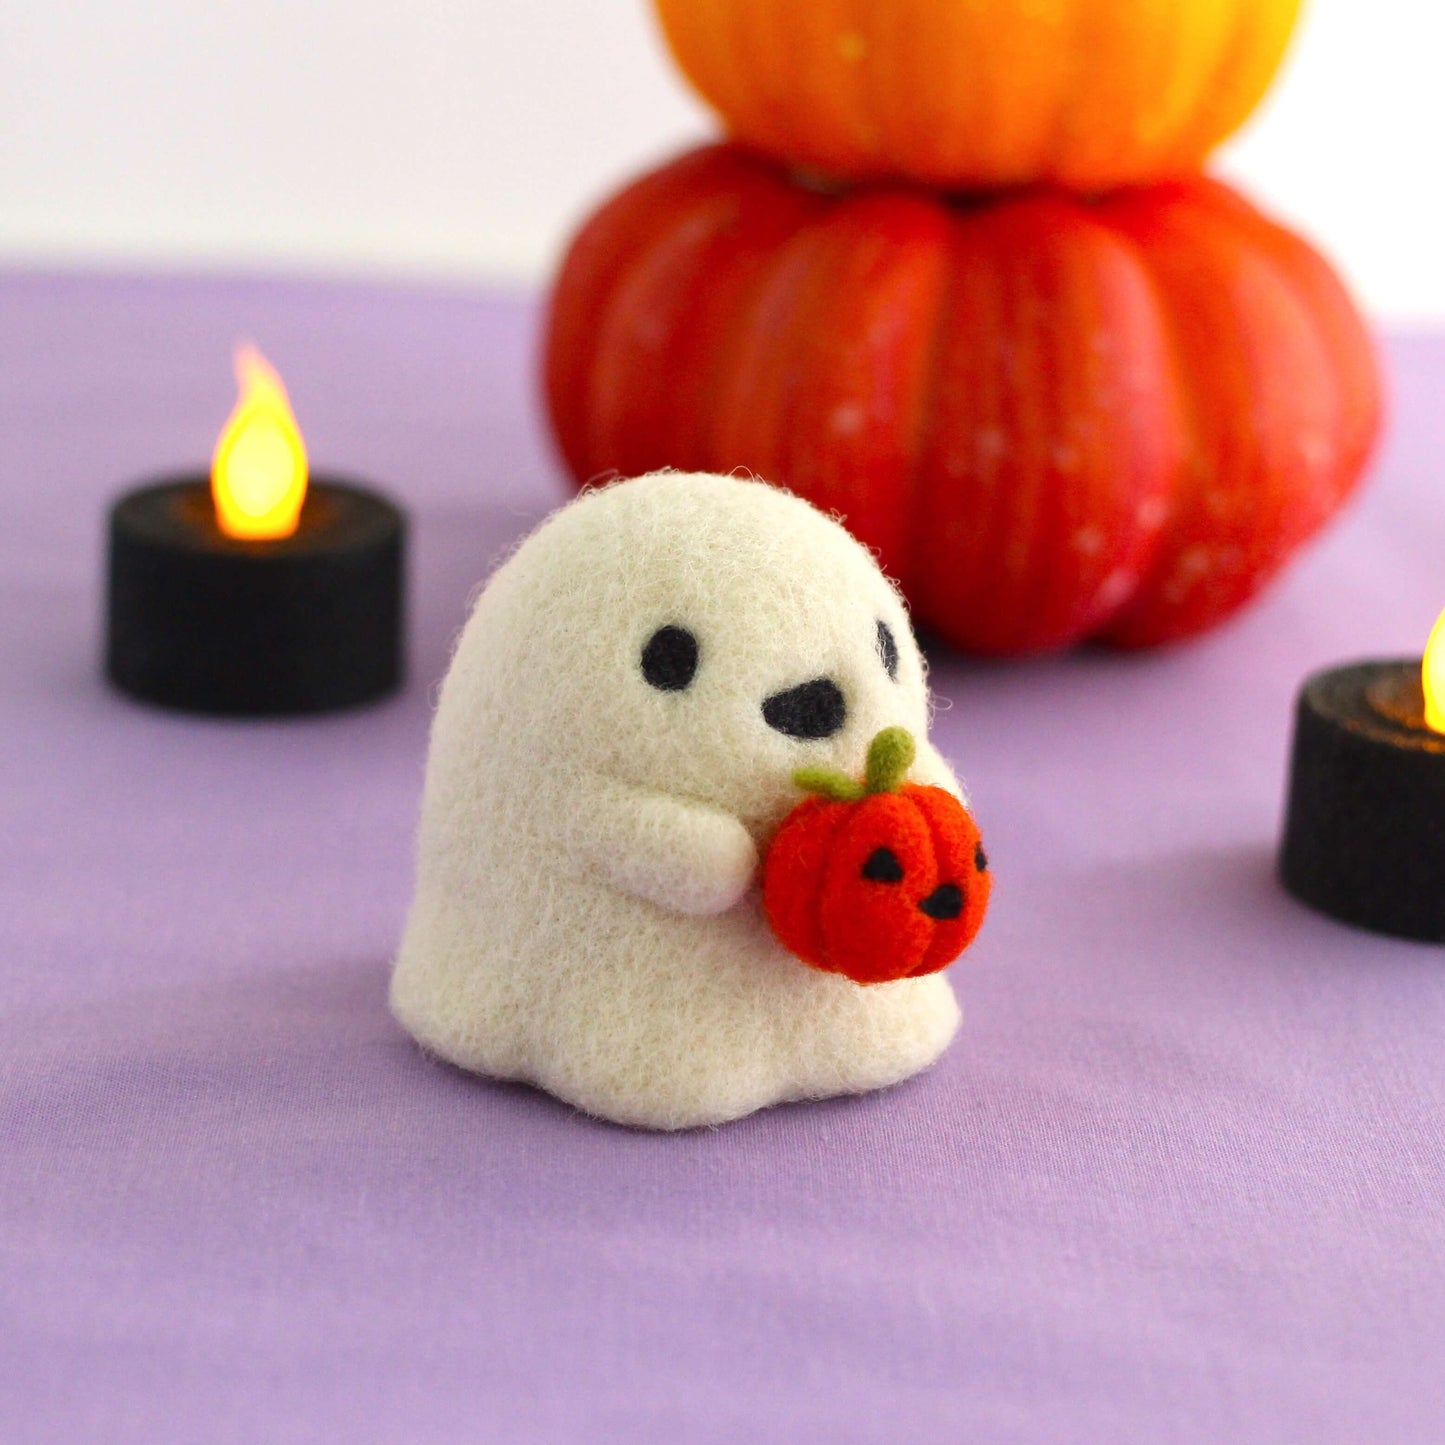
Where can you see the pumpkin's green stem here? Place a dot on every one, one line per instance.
(890, 755)
(830, 783)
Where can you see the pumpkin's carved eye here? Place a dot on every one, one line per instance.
(888, 649)
(882, 866)
(669, 660)
(980, 858)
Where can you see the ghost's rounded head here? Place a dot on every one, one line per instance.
(701, 635)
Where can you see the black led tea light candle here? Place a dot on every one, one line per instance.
(1364, 835)
(259, 590)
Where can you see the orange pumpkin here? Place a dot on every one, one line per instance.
(880, 880)
(979, 93)
(1053, 418)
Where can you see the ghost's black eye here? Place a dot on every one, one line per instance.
(882, 866)
(669, 661)
(888, 649)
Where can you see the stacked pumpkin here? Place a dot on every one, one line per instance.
(958, 278)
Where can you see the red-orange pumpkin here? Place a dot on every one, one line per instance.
(1054, 417)
(878, 881)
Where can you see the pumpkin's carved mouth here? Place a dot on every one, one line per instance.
(945, 902)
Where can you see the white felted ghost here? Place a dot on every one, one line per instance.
(601, 779)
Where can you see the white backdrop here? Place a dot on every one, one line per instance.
(436, 137)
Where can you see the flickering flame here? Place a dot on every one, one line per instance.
(258, 474)
(1432, 677)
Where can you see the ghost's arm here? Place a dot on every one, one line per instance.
(682, 855)
(929, 767)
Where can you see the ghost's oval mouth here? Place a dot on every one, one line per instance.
(815, 709)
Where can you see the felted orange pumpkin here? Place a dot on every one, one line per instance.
(878, 880)
(1053, 418)
(1091, 94)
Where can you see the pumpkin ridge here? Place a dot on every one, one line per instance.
(1027, 415)
(738, 65)
(604, 247)
(906, 569)
(824, 386)
(1233, 88)
(619, 406)
(751, 353)
(796, 100)
(934, 871)
(604, 303)
(710, 41)
(932, 480)
(1181, 383)
(726, 228)
(748, 360)
(1244, 497)
(1347, 471)
(1326, 307)
(886, 59)
(1188, 479)
(798, 849)
(857, 98)
(1068, 101)
(836, 817)
(730, 372)
(1167, 89)
(1069, 500)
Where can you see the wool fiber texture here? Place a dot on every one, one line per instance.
(599, 791)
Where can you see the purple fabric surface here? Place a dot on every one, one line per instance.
(1180, 1179)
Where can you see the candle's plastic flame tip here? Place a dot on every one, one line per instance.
(258, 473)
(1432, 677)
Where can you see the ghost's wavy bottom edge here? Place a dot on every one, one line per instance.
(618, 1096)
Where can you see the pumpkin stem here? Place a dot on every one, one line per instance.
(830, 783)
(890, 755)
